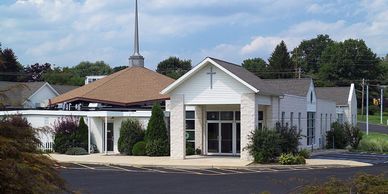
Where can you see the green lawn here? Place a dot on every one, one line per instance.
(374, 119)
(374, 142)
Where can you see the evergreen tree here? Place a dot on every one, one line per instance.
(280, 63)
(82, 133)
(131, 132)
(156, 137)
(9, 65)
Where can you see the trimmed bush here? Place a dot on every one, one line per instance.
(290, 159)
(337, 133)
(76, 151)
(139, 149)
(264, 145)
(190, 150)
(82, 134)
(131, 132)
(290, 137)
(158, 147)
(156, 137)
(374, 142)
(304, 153)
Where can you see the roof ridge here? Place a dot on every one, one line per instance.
(226, 62)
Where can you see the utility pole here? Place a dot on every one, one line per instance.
(362, 98)
(299, 72)
(367, 109)
(381, 103)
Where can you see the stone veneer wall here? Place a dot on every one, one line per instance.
(248, 122)
(177, 127)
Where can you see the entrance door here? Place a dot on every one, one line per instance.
(226, 138)
(110, 137)
(213, 137)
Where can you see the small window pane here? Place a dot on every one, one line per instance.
(189, 114)
(227, 116)
(261, 115)
(237, 115)
(190, 135)
(213, 116)
(190, 124)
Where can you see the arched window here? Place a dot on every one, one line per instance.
(311, 97)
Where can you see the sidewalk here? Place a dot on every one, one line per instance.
(189, 162)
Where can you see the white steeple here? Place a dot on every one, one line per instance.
(136, 59)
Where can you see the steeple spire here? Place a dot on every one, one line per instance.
(136, 59)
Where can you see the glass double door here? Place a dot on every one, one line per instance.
(223, 138)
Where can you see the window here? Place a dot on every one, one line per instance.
(311, 97)
(299, 121)
(214, 116)
(310, 128)
(326, 123)
(283, 115)
(291, 119)
(330, 119)
(340, 118)
(227, 116)
(190, 129)
(321, 124)
(260, 119)
(238, 115)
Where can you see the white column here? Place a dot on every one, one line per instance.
(89, 125)
(199, 128)
(106, 136)
(249, 116)
(177, 127)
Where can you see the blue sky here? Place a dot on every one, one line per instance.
(65, 32)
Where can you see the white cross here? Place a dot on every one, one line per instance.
(211, 73)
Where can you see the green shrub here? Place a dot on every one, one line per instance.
(304, 153)
(290, 137)
(190, 150)
(264, 145)
(76, 151)
(157, 147)
(82, 134)
(198, 151)
(290, 159)
(156, 138)
(139, 149)
(353, 135)
(65, 134)
(131, 132)
(360, 183)
(337, 133)
(374, 142)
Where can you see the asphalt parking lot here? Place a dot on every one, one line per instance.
(192, 171)
(359, 157)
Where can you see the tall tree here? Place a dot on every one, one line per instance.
(86, 68)
(63, 76)
(344, 62)
(118, 68)
(308, 53)
(257, 66)
(34, 73)
(174, 67)
(280, 63)
(9, 66)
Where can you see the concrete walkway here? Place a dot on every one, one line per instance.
(189, 162)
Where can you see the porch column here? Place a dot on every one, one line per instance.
(89, 125)
(177, 127)
(106, 136)
(249, 116)
(199, 128)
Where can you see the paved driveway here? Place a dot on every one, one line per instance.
(374, 128)
(359, 157)
(117, 179)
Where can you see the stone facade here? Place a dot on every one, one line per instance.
(248, 122)
(199, 127)
(177, 127)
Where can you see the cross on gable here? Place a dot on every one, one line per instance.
(211, 73)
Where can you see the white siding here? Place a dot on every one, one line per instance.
(324, 107)
(311, 105)
(41, 96)
(226, 90)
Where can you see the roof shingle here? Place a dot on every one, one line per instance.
(129, 86)
(297, 87)
(339, 95)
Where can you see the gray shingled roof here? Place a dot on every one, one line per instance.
(61, 89)
(248, 77)
(339, 95)
(297, 87)
(19, 92)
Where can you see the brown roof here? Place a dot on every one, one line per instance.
(249, 78)
(297, 87)
(339, 95)
(128, 86)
